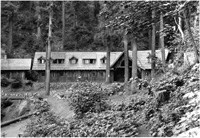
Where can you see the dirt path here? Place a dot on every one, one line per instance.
(13, 130)
(60, 107)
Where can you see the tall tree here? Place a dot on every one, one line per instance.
(63, 24)
(10, 41)
(162, 41)
(39, 20)
(48, 50)
(107, 62)
(134, 63)
(126, 58)
(153, 45)
(186, 14)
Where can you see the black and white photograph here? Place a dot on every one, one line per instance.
(100, 68)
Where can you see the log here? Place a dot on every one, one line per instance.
(16, 119)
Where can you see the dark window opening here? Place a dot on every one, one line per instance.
(43, 73)
(58, 61)
(103, 61)
(89, 61)
(61, 73)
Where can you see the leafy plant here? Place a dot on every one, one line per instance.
(4, 82)
(17, 83)
(87, 97)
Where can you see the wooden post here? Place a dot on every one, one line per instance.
(107, 63)
(162, 41)
(126, 66)
(153, 46)
(48, 51)
(63, 24)
(134, 64)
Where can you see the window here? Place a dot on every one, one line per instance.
(61, 73)
(58, 61)
(89, 61)
(41, 60)
(103, 60)
(73, 60)
(43, 73)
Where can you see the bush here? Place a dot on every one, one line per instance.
(87, 97)
(4, 103)
(17, 83)
(5, 82)
(31, 75)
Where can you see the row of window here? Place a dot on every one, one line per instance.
(72, 60)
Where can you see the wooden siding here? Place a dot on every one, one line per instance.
(73, 75)
(13, 74)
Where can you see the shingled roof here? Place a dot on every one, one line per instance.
(15, 64)
(142, 61)
(114, 56)
(80, 64)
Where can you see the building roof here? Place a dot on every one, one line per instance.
(114, 56)
(15, 64)
(142, 61)
(80, 64)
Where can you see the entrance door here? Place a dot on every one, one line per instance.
(119, 74)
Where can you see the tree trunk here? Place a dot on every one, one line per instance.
(191, 36)
(39, 21)
(149, 34)
(126, 67)
(10, 37)
(162, 41)
(48, 51)
(107, 63)
(63, 25)
(134, 64)
(153, 46)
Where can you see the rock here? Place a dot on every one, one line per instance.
(163, 96)
(23, 107)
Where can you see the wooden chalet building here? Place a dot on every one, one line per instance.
(73, 66)
(90, 66)
(15, 67)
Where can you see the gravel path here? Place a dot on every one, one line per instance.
(13, 130)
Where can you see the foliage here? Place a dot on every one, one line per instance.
(17, 83)
(31, 75)
(169, 114)
(107, 124)
(87, 97)
(5, 82)
(4, 103)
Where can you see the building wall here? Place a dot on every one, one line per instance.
(10, 74)
(72, 76)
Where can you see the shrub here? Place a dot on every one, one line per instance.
(4, 82)
(31, 75)
(4, 103)
(87, 97)
(17, 83)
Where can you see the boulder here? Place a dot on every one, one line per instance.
(163, 96)
(23, 107)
